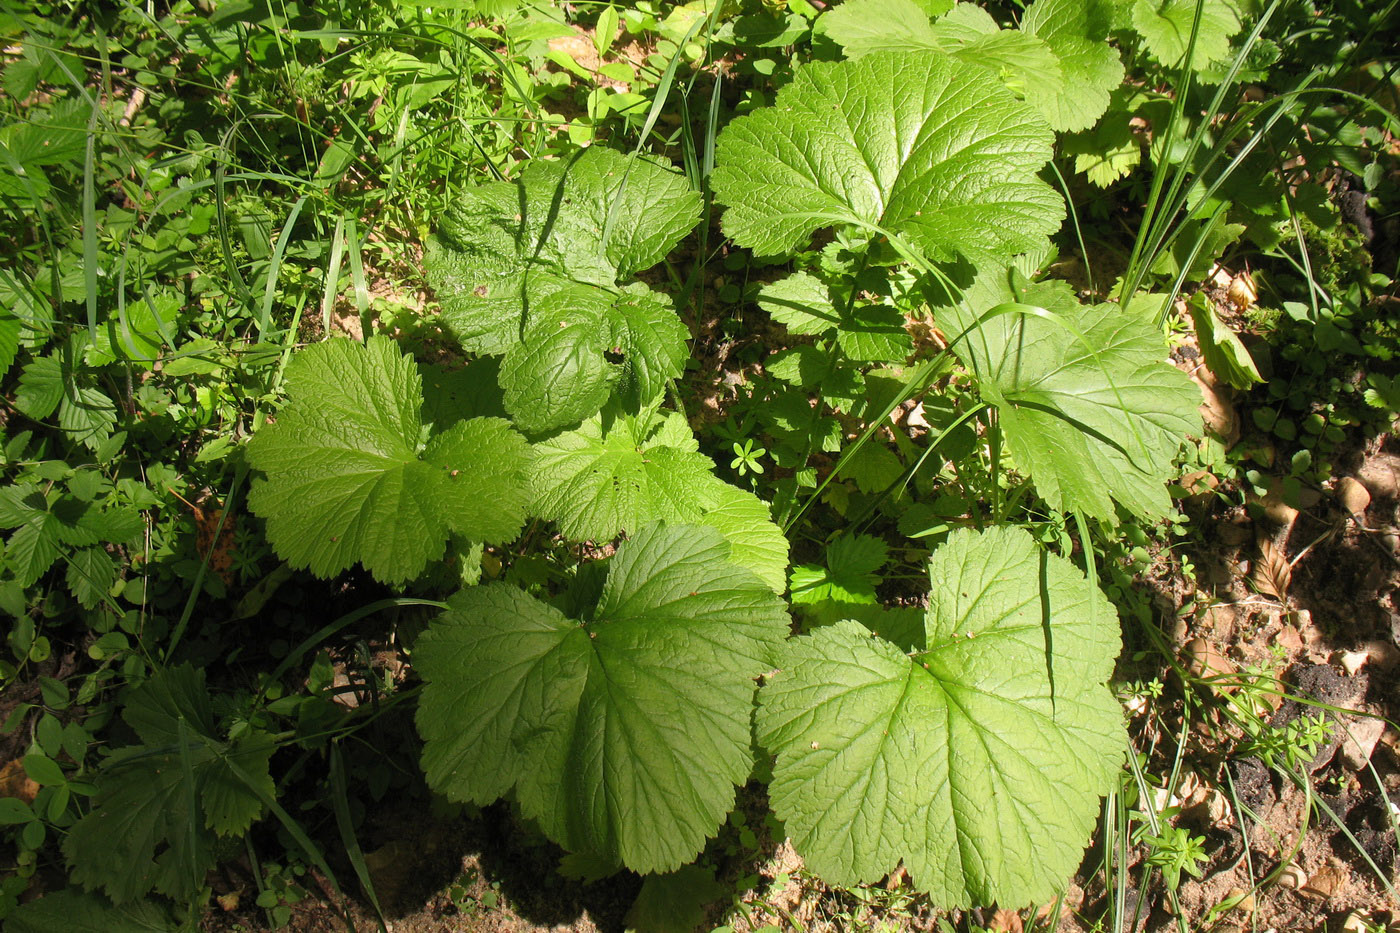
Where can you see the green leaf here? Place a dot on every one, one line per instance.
(1058, 61)
(580, 226)
(1225, 355)
(919, 145)
(675, 902)
(846, 583)
(618, 472)
(1088, 405)
(147, 326)
(622, 733)
(350, 478)
(1165, 27)
(979, 760)
(90, 575)
(87, 415)
(875, 334)
(800, 302)
(579, 343)
(1076, 31)
(159, 805)
(75, 911)
(40, 387)
(755, 542)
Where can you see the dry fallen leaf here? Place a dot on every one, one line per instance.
(1006, 921)
(14, 782)
(1272, 572)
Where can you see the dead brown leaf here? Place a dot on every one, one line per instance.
(1006, 921)
(1272, 573)
(14, 782)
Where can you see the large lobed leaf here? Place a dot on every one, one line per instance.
(1058, 61)
(920, 145)
(618, 472)
(351, 477)
(531, 269)
(622, 732)
(1087, 403)
(978, 759)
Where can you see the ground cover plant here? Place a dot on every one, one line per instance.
(891, 464)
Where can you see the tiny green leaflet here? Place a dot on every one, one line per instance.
(978, 757)
(623, 731)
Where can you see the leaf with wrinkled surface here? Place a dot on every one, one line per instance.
(531, 269)
(979, 759)
(916, 144)
(1088, 405)
(622, 733)
(351, 477)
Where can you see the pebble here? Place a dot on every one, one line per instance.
(1204, 661)
(1362, 734)
(1292, 877)
(1353, 496)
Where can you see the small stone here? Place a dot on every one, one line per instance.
(1325, 882)
(1205, 662)
(1352, 661)
(1381, 476)
(1353, 496)
(1362, 734)
(1292, 877)
(1356, 922)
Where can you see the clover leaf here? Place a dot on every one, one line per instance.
(623, 731)
(538, 269)
(917, 145)
(351, 474)
(979, 757)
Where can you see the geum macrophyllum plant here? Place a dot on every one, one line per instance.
(972, 745)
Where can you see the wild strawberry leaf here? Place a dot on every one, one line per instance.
(916, 144)
(622, 732)
(979, 758)
(351, 474)
(1088, 405)
(73, 910)
(513, 258)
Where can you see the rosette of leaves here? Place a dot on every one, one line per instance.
(353, 473)
(621, 727)
(161, 806)
(540, 271)
(1085, 399)
(1058, 60)
(974, 749)
(919, 146)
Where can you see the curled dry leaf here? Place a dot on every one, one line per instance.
(1272, 572)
